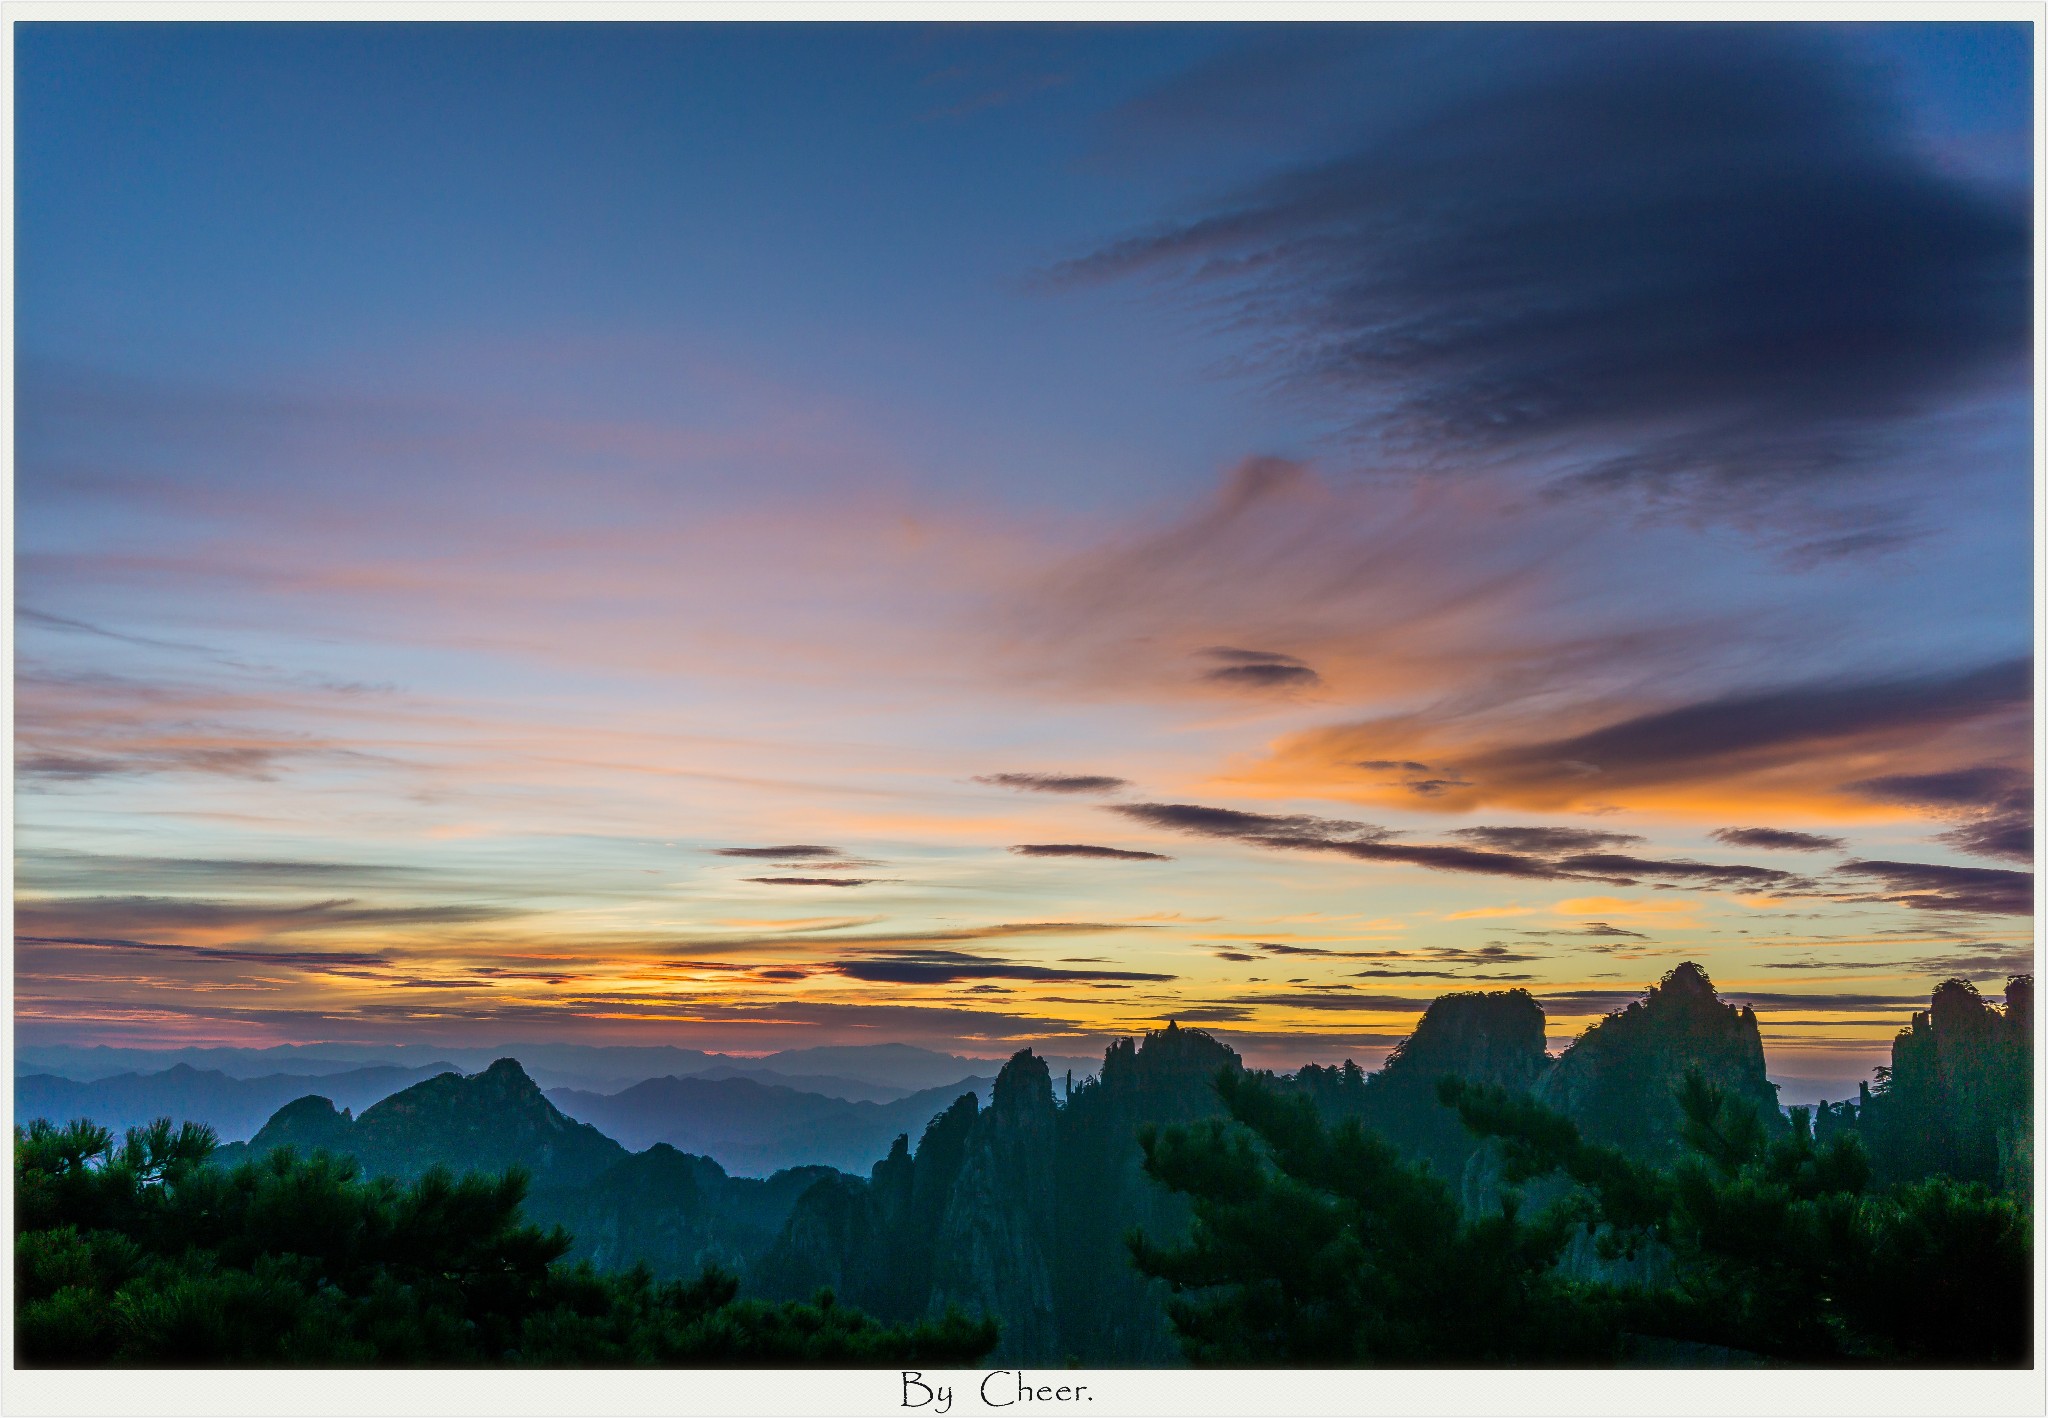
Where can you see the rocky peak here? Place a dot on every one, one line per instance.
(1685, 979)
(1957, 1010)
(508, 1077)
(2019, 1006)
(1617, 1080)
(307, 1124)
(1023, 1086)
(1489, 1037)
(1169, 1060)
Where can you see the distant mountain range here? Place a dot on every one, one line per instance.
(874, 1073)
(754, 1121)
(482, 1122)
(755, 1128)
(1015, 1198)
(233, 1107)
(670, 1210)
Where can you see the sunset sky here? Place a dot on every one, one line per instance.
(984, 536)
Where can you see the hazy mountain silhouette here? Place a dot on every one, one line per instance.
(857, 1072)
(753, 1127)
(1491, 1037)
(671, 1210)
(829, 1085)
(483, 1122)
(674, 1213)
(233, 1107)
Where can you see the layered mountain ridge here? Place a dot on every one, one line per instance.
(1017, 1207)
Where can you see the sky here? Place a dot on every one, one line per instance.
(987, 536)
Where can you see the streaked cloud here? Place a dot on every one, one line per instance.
(1777, 839)
(1054, 782)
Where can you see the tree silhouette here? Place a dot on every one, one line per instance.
(1315, 1244)
(142, 1254)
(1322, 1245)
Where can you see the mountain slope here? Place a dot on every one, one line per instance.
(483, 1122)
(233, 1107)
(1618, 1079)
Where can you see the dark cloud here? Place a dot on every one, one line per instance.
(1430, 955)
(1930, 887)
(1602, 928)
(1077, 849)
(1367, 843)
(1983, 786)
(1004, 930)
(1997, 803)
(1231, 655)
(1342, 997)
(1545, 841)
(1777, 839)
(1054, 782)
(1259, 669)
(939, 967)
(1265, 676)
(1757, 730)
(812, 880)
(1386, 974)
(1705, 873)
(1227, 822)
(1459, 859)
(1421, 779)
(1236, 955)
(1714, 257)
(797, 853)
(2007, 835)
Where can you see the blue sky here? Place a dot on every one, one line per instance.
(543, 458)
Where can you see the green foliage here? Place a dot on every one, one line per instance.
(141, 1254)
(1958, 1099)
(1321, 1246)
(1778, 1244)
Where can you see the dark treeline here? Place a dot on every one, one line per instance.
(144, 1254)
(1021, 1210)
(1640, 1198)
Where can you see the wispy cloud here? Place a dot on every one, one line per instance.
(1641, 258)
(1928, 886)
(1054, 782)
(1777, 839)
(1996, 804)
(1365, 842)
